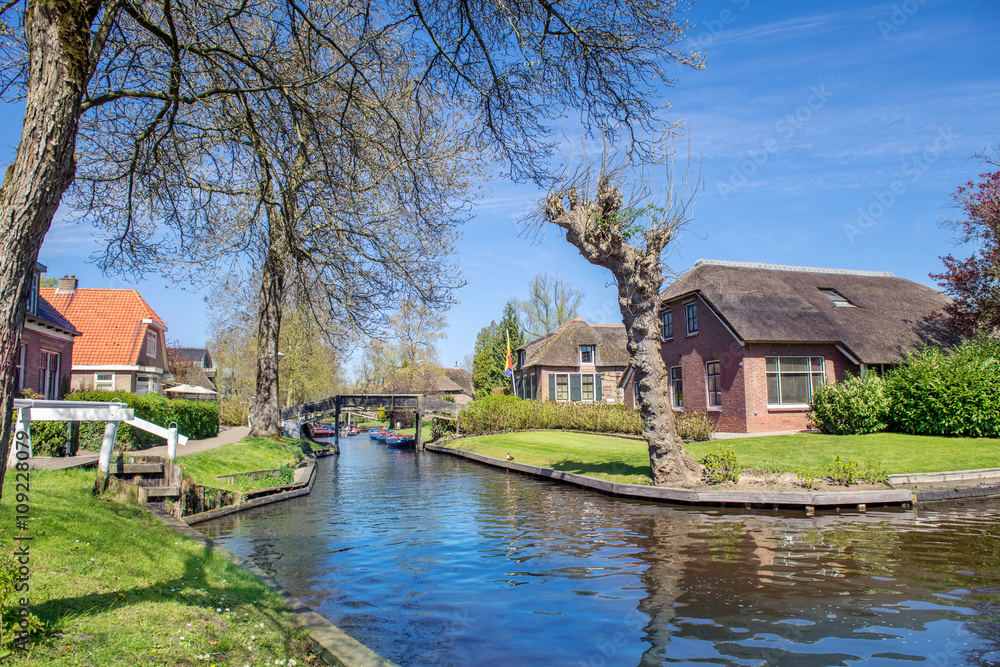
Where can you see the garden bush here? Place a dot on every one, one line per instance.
(498, 412)
(195, 419)
(721, 466)
(233, 413)
(948, 394)
(859, 404)
(695, 426)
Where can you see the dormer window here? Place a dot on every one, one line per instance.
(520, 359)
(838, 299)
(151, 344)
(586, 354)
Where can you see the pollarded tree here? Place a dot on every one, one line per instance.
(629, 238)
(974, 283)
(551, 302)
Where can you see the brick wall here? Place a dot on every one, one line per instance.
(712, 342)
(760, 417)
(35, 342)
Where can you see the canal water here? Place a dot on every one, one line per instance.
(433, 560)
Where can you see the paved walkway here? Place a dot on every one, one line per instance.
(728, 436)
(89, 459)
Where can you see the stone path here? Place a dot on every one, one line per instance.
(89, 459)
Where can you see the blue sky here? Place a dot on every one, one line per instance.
(828, 134)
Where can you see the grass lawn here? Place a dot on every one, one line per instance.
(626, 460)
(114, 586)
(244, 456)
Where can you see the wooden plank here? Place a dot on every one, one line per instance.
(140, 468)
(162, 491)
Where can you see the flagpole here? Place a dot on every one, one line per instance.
(510, 364)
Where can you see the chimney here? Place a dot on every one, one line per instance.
(67, 285)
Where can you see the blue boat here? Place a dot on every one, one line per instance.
(397, 440)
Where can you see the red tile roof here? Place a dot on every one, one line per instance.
(110, 321)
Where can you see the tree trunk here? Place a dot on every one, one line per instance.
(266, 413)
(58, 37)
(601, 235)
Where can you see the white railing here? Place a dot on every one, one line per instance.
(114, 413)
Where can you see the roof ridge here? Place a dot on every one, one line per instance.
(791, 267)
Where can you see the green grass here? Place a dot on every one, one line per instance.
(247, 455)
(897, 452)
(114, 586)
(626, 460)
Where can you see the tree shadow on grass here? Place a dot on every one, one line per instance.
(609, 468)
(191, 589)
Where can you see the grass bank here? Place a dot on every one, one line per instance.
(245, 456)
(114, 586)
(626, 460)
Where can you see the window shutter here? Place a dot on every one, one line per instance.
(552, 386)
(575, 392)
(597, 387)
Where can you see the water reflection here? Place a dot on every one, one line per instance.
(432, 560)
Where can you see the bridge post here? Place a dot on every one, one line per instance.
(418, 442)
(336, 422)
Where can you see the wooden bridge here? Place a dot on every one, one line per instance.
(365, 404)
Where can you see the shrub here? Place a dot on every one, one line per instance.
(500, 412)
(195, 419)
(49, 438)
(957, 394)
(844, 472)
(694, 426)
(233, 413)
(807, 477)
(859, 404)
(721, 466)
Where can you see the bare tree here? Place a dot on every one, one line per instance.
(629, 238)
(505, 69)
(551, 301)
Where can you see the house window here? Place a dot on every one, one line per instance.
(33, 295)
(48, 384)
(676, 388)
(520, 359)
(534, 388)
(790, 380)
(19, 369)
(838, 299)
(104, 381)
(635, 391)
(667, 325)
(151, 344)
(147, 384)
(586, 354)
(691, 314)
(575, 387)
(562, 387)
(713, 373)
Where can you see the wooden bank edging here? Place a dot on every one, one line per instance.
(301, 490)
(334, 645)
(806, 500)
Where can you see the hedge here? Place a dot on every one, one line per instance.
(954, 394)
(195, 419)
(499, 412)
(858, 405)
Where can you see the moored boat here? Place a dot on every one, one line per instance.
(397, 440)
(321, 430)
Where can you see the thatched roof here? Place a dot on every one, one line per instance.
(455, 379)
(562, 346)
(777, 303)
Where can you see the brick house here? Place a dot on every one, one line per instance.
(455, 382)
(42, 365)
(747, 342)
(576, 362)
(123, 344)
(198, 367)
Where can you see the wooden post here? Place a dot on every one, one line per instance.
(74, 438)
(418, 437)
(172, 441)
(23, 426)
(336, 422)
(104, 461)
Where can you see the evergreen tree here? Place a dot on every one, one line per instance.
(490, 355)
